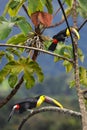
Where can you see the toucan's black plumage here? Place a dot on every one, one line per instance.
(31, 103)
(60, 37)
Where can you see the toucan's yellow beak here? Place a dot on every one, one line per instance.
(40, 100)
(74, 31)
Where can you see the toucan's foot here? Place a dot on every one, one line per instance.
(30, 110)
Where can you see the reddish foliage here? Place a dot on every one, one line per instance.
(41, 17)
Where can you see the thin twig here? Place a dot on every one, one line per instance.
(49, 108)
(84, 92)
(57, 24)
(12, 93)
(25, 9)
(67, 25)
(85, 21)
(58, 10)
(37, 49)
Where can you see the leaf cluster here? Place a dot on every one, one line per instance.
(14, 68)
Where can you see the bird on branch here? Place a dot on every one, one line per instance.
(61, 36)
(30, 103)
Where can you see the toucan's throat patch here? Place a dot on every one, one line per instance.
(55, 41)
(17, 107)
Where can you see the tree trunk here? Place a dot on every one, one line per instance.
(79, 92)
(77, 79)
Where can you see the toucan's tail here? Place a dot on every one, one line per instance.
(52, 47)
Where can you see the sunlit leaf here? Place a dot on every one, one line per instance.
(68, 66)
(13, 51)
(17, 39)
(68, 11)
(24, 26)
(22, 66)
(69, 2)
(83, 75)
(56, 59)
(80, 54)
(14, 7)
(9, 56)
(14, 66)
(60, 49)
(5, 29)
(72, 84)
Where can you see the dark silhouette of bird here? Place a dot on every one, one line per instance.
(30, 103)
(61, 36)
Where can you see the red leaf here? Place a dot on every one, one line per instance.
(41, 17)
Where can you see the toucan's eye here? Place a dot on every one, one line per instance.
(16, 107)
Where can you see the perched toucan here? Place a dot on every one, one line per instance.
(30, 103)
(60, 37)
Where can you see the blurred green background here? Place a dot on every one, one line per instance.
(51, 86)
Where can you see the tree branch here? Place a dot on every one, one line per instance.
(12, 93)
(49, 108)
(37, 49)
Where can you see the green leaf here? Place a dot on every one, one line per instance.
(68, 11)
(22, 65)
(2, 53)
(3, 73)
(5, 29)
(80, 54)
(83, 75)
(81, 12)
(69, 2)
(9, 56)
(14, 7)
(63, 50)
(24, 26)
(72, 83)
(17, 39)
(14, 51)
(34, 6)
(83, 4)
(60, 49)
(12, 80)
(14, 66)
(37, 70)
(40, 76)
(29, 80)
(49, 6)
(56, 59)
(68, 66)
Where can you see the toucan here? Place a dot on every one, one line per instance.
(30, 103)
(61, 36)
